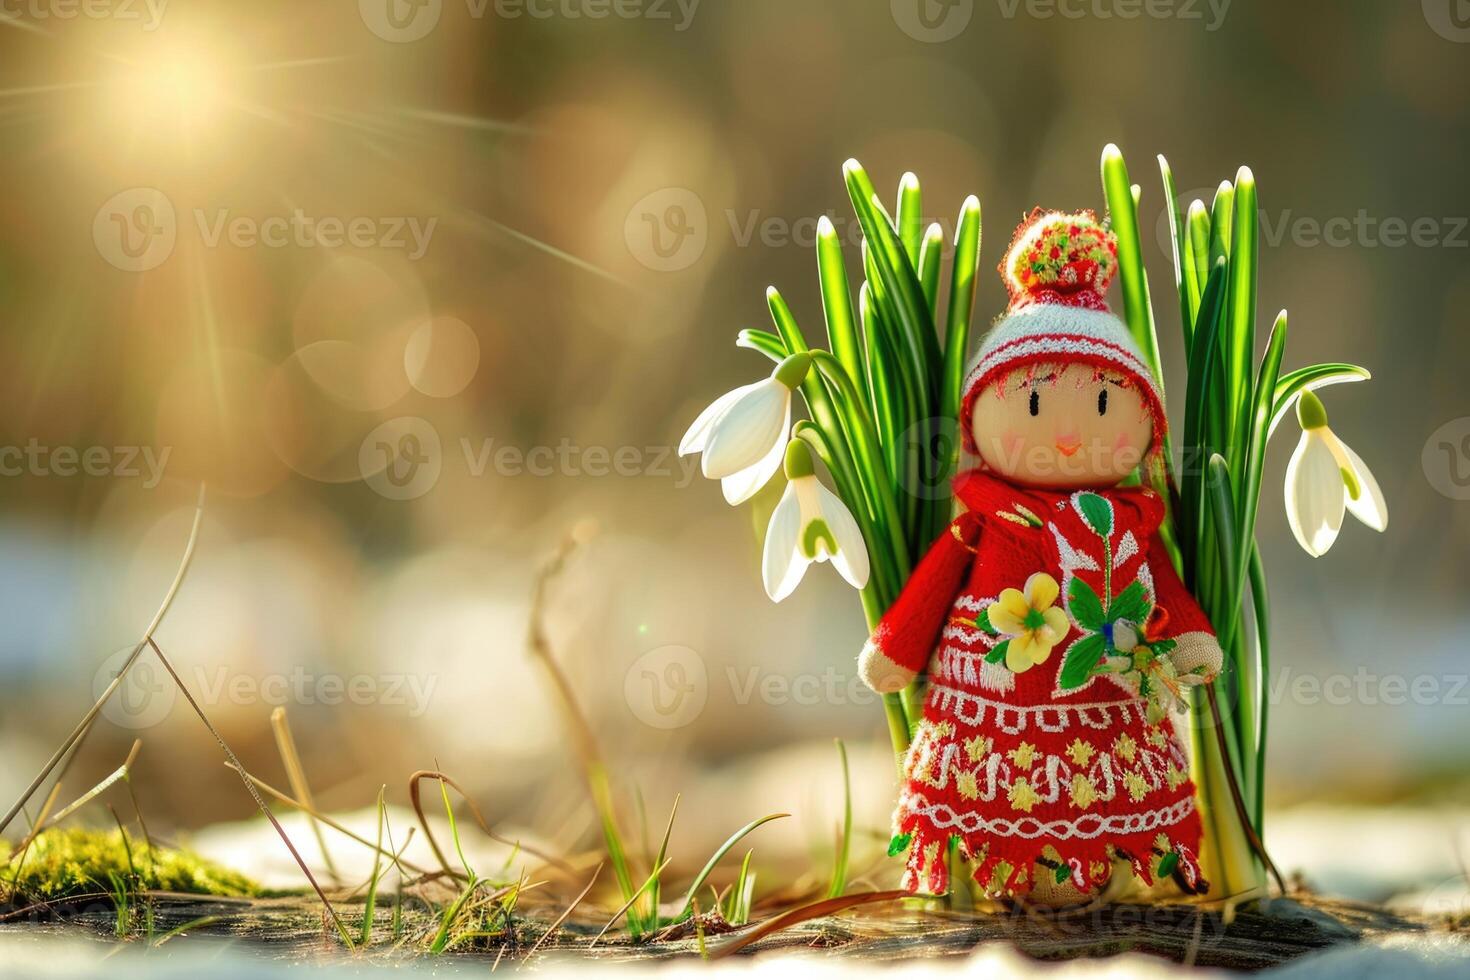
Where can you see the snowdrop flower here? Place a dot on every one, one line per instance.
(1323, 479)
(744, 432)
(810, 524)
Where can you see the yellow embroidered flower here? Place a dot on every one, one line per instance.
(977, 747)
(1083, 793)
(1080, 752)
(1022, 796)
(1097, 870)
(1157, 738)
(1161, 844)
(1137, 788)
(1033, 624)
(1174, 777)
(965, 783)
(1023, 756)
(1125, 748)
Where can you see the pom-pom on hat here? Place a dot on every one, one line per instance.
(1057, 271)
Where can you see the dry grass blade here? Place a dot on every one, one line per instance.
(816, 910)
(566, 914)
(325, 820)
(117, 775)
(85, 725)
(296, 776)
(418, 807)
(250, 787)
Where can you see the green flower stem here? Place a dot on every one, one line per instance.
(1261, 605)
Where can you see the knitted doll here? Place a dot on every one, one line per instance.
(1049, 618)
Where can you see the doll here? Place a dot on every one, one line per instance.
(1048, 617)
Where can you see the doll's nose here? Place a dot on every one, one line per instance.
(1068, 444)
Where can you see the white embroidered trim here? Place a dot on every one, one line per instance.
(935, 760)
(1070, 342)
(1127, 548)
(971, 709)
(1086, 827)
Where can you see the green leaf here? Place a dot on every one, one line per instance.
(998, 653)
(837, 301)
(1316, 376)
(982, 623)
(1168, 864)
(1084, 605)
(1131, 604)
(1098, 514)
(716, 858)
(1061, 873)
(1082, 659)
(899, 844)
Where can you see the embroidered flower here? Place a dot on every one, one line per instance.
(1082, 792)
(1080, 752)
(1031, 622)
(966, 784)
(977, 747)
(1023, 756)
(1022, 796)
(1125, 748)
(1137, 788)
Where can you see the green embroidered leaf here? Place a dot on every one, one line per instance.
(1083, 658)
(982, 623)
(1097, 512)
(1161, 647)
(899, 844)
(1168, 864)
(1084, 605)
(1062, 873)
(1131, 604)
(998, 654)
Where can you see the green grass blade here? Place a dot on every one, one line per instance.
(911, 217)
(1183, 257)
(719, 856)
(660, 861)
(1317, 376)
(1200, 233)
(1226, 612)
(371, 902)
(1222, 222)
(886, 402)
(1123, 207)
(1241, 311)
(961, 305)
(1197, 395)
(837, 300)
(900, 284)
(930, 254)
(1261, 604)
(844, 843)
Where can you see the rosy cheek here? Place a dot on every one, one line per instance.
(1124, 441)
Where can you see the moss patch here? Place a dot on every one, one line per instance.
(65, 863)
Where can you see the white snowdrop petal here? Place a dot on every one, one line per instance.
(743, 436)
(740, 487)
(1315, 495)
(851, 560)
(1369, 506)
(779, 552)
(694, 440)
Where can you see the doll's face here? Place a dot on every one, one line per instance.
(1071, 426)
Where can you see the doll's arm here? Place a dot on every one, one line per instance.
(1197, 651)
(906, 636)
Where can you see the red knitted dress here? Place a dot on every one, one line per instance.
(1008, 763)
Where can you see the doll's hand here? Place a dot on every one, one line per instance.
(1197, 655)
(880, 673)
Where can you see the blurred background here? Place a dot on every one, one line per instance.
(419, 288)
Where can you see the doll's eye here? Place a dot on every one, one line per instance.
(1102, 402)
(1035, 402)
